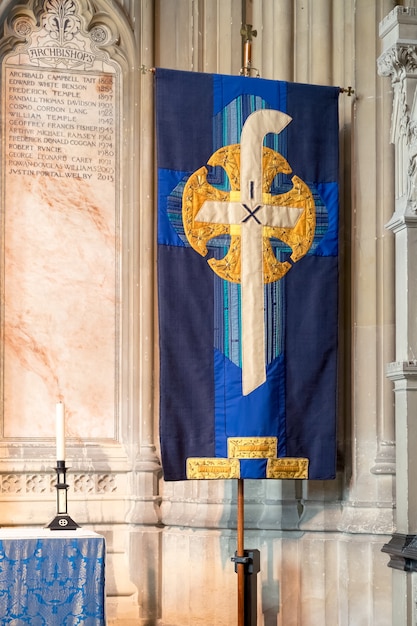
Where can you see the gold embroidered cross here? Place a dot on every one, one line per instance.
(251, 216)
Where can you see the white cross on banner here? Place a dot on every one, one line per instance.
(251, 214)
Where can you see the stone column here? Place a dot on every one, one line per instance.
(399, 60)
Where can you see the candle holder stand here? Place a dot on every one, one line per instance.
(62, 521)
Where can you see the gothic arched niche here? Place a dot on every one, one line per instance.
(63, 87)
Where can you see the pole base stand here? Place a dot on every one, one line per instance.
(251, 560)
(62, 521)
(251, 563)
(402, 550)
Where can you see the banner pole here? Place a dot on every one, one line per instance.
(240, 552)
(247, 33)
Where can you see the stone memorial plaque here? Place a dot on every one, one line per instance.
(60, 200)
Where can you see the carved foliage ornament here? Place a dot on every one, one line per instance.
(398, 62)
(64, 38)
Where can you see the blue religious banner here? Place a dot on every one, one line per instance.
(247, 276)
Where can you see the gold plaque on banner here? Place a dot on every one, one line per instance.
(251, 447)
(287, 467)
(212, 468)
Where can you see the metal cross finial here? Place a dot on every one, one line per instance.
(247, 34)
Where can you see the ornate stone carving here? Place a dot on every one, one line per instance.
(11, 483)
(94, 483)
(41, 483)
(99, 34)
(400, 62)
(22, 27)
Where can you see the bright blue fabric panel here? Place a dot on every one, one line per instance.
(228, 88)
(329, 245)
(52, 582)
(260, 414)
(168, 182)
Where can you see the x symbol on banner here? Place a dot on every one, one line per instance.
(235, 212)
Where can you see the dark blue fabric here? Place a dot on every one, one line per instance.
(313, 130)
(186, 356)
(311, 362)
(188, 98)
(201, 403)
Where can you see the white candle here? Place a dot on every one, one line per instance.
(60, 432)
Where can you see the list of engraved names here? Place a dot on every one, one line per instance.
(60, 124)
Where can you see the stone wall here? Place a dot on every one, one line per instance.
(170, 544)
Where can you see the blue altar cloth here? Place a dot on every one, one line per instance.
(51, 578)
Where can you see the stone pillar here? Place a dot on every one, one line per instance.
(274, 23)
(398, 60)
